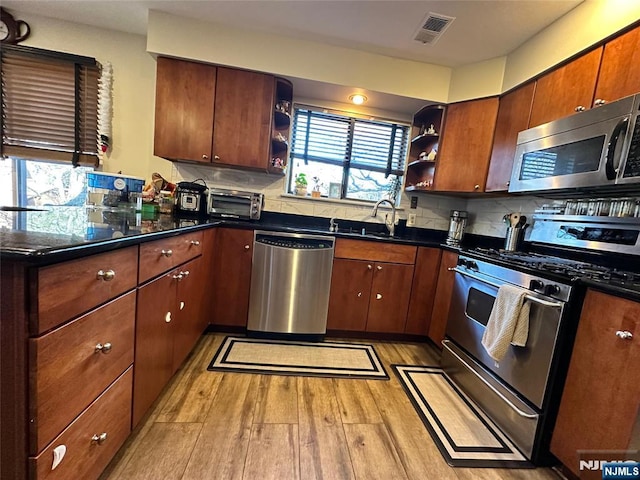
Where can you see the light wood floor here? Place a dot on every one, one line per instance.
(210, 426)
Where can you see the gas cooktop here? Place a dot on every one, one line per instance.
(565, 268)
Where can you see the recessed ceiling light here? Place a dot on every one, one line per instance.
(358, 98)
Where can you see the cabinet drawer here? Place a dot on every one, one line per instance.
(85, 458)
(67, 289)
(375, 251)
(67, 370)
(161, 256)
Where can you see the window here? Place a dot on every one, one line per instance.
(347, 156)
(49, 126)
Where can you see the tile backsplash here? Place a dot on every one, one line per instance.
(485, 214)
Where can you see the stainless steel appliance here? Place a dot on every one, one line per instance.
(594, 150)
(457, 224)
(521, 392)
(290, 283)
(235, 204)
(191, 198)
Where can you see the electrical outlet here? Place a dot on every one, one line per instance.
(411, 220)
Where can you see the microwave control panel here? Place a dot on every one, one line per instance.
(632, 167)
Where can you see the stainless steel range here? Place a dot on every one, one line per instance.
(521, 392)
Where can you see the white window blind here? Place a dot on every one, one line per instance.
(49, 105)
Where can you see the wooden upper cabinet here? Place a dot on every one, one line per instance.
(560, 92)
(619, 73)
(185, 93)
(465, 148)
(243, 113)
(513, 117)
(603, 381)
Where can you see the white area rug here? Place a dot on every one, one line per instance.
(465, 436)
(279, 357)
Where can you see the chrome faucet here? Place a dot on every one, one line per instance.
(333, 226)
(391, 227)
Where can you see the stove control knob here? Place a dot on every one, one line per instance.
(550, 290)
(536, 285)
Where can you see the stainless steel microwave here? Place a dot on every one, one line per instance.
(595, 150)
(235, 204)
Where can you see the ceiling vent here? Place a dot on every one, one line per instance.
(432, 27)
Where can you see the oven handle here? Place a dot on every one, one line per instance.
(493, 389)
(531, 298)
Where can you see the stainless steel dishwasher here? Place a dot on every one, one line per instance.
(290, 283)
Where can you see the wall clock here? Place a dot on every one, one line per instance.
(12, 30)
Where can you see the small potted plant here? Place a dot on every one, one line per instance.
(301, 184)
(315, 193)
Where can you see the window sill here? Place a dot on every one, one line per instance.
(339, 201)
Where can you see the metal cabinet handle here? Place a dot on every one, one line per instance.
(195, 242)
(378, 296)
(106, 348)
(166, 253)
(216, 157)
(99, 438)
(379, 267)
(599, 102)
(580, 108)
(624, 334)
(359, 294)
(476, 187)
(167, 317)
(369, 267)
(178, 276)
(185, 274)
(106, 275)
(205, 157)
(247, 247)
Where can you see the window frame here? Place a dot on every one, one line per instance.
(351, 118)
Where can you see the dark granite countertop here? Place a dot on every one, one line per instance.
(62, 233)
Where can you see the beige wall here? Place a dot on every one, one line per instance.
(186, 38)
(482, 79)
(585, 25)
(133, 87)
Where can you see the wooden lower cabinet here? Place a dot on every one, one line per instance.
(349, 297)
(444, 289)
(92, 439)
(190, 298)
(423, 291)
(369, 296)
(153, 363)
(169, 323)
(389, 298)
(601, 399)
(232, 281)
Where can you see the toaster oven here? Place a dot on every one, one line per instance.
(235, 204)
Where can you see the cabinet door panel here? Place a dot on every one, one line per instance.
(440, 313)
(349, 297)
(513, 117)
(465, 149)
(619, 73)
(560, 91)
(189, 310)
(423, 291)
(232, 283)
(389, 300)
(155, 313)
(185, 93)
(243, 111)
(603, 381)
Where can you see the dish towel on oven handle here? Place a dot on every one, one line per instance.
(508, 322)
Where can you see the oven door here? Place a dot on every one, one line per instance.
(524, 369)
